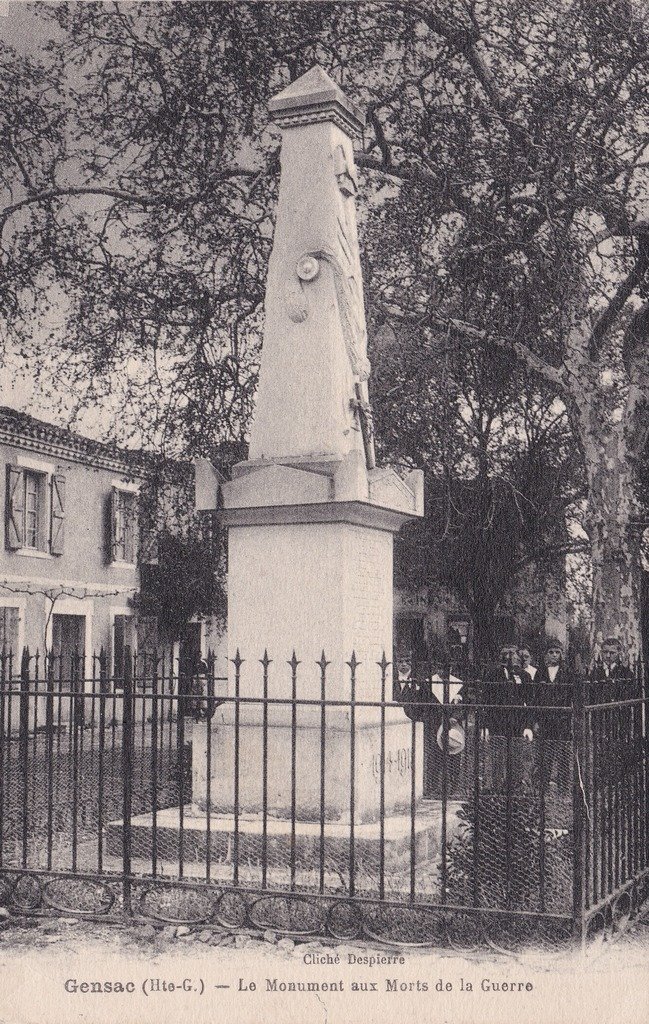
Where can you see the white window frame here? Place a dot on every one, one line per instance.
(34, 490)
(47, 470)
(127, 487)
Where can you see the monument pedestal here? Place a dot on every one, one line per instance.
(310, 522)
(316, 761)
(308, 577)
(212, 839)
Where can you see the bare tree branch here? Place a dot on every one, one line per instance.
(137, 199)
(618, 301)
(552, 374)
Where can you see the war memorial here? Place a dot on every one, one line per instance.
(289, 794)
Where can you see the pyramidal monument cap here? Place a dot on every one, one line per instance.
(315, 97)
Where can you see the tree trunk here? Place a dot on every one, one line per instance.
(615, 545)
(482, 609)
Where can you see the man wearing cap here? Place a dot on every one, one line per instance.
(552, 728)
(611, 681)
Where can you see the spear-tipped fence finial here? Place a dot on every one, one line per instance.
(322, 662)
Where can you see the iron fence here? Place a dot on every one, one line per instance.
(320, 800)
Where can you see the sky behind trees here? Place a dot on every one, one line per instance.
(504, 233)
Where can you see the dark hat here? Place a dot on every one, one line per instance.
(612, 640)
(552, 644)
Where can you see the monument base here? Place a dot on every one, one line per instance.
(293, 782)
(215, 836)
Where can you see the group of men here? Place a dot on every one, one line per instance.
(523, 703)
(515, 664)
(520, 704)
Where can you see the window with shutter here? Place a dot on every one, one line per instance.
(15, 512)
(57, 525)
(35, 518)
(33, 510)
(123, 525)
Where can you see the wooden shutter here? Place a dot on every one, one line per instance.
(14, 533)
(57, 525)
(130, 525)
(110, 525)
(9, 618)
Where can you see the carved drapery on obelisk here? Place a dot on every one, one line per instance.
(315, 317)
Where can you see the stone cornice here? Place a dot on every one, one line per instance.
(71, 452)
(329, 112)
(315, 98)
(353, 513)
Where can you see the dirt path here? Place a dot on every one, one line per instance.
(199, 976)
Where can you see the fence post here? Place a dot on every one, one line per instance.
(579, 810)
(77, 686)
(49, 751)
(23, 747)
(3, 681)
(644, 760)
(127, 779)
(104, 690)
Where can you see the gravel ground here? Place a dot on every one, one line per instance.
(182, 974)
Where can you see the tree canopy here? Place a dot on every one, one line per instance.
(503, 219)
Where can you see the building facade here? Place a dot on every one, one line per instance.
(73, 544)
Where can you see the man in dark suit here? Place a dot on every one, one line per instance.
(500, 687)
(526, 662)
(505, 686)
(553, 671)
(552, 728)
(423, 701)
(614, 729)
(612, 679)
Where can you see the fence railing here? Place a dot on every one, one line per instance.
(314, 800)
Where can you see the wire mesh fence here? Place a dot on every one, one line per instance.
(62, 756)
(167, 792)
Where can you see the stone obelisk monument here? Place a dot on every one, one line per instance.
(310, 517)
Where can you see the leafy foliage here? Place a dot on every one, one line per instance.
(186, 581)
(509, 879)
(504, 229)
(182, 553)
